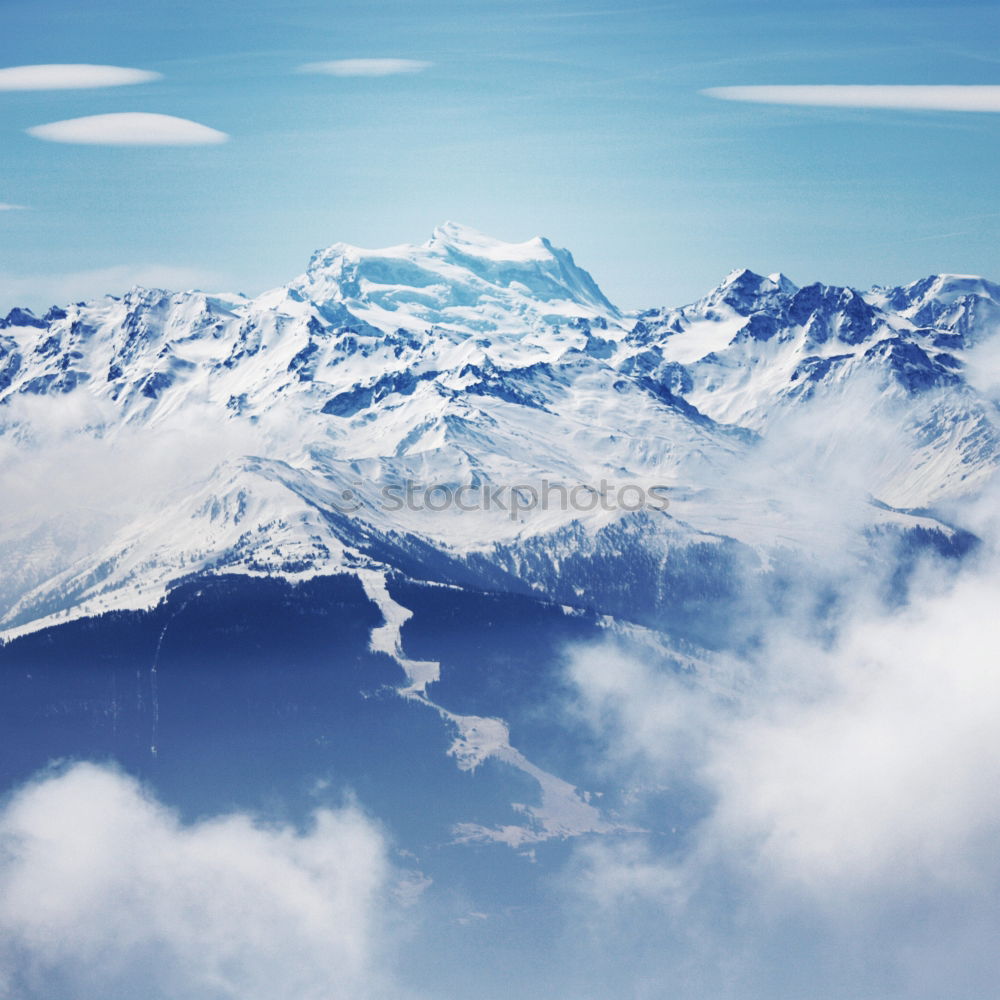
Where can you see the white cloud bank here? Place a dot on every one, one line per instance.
(106, 894)
(130, 128)
(72, 76)
(365, 67)
(913, 98)
(7, 207)
(839, 819)
(851, 770)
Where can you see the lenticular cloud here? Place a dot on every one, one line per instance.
(129, 129)
(910, 98)
(365, 67)
(71, 76)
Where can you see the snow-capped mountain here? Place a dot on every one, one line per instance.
(752, 351)
(459, 279)
(277, 435)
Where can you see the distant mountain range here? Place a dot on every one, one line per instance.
(292, 425)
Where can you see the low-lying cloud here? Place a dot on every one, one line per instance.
(841, 800)
(105, 893)
(72, 76)
(365, 67)
(909, 97)
(129, 128)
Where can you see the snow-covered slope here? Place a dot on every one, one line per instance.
(888, 364)
(161, 435)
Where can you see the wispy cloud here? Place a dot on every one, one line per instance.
(131, 128)
(366, 67)
(7, 207)
(912, 98)
(601, 12)
(71, 76)
(939, 236)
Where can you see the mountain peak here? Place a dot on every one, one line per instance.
(460, 278)
(783, 283)
(741, 276)
(927, 300)
(745, 291)
(470, 242)
(744, 278)
(948, 287)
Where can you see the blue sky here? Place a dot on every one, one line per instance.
(582, 121)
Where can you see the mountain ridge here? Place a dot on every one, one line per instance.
(467, 360)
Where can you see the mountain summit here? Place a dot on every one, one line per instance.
(458, 278)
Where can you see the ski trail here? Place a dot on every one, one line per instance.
(388, 638)
(564, 811)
